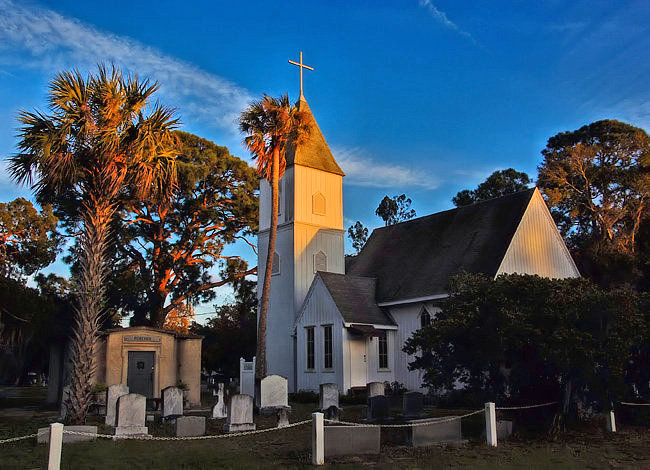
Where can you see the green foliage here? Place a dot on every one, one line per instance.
(528, 339)
(166, 250)
(232, 333)
(396, 209)
(30, 320)
(28, 239)
(498, 184)
(359, 235)
(597, 182)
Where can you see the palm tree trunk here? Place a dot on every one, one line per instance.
(89, 308)
(260, 366)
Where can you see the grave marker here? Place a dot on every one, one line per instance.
(412, 404)
(131, 411)
(172, 402)
(219, 410)
(113, 392)
(375, 388)
(240, 414)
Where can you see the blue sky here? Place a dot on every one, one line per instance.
(423, 97)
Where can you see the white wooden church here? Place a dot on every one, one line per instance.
(328, 322)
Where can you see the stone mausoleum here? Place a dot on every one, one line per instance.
(150, 359)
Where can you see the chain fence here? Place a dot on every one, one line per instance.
(433, 421)
(626, 403)
(526, 407)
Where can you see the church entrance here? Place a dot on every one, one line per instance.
(140, 371)
(358, 362)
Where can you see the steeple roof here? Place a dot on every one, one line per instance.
(314, 151)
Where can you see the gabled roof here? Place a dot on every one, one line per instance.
(416, 258)
(314, 152)
(354, 296)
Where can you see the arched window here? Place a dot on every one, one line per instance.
(320, 262)
(425, 317)
(276, 264)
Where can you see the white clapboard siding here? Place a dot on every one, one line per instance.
(407, 318)
(537, 246)
(375, 374)
(319, 310)
(308, 182)
(308, 241)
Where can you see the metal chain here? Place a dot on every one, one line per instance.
(525, 407)
(190, 438)
(16, 439)
(634, 404)
(426, 423)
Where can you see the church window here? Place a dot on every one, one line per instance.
(310, 348)
(383, 351)
(320, 262)
(276, 264)
(318, 204)
(425, 318)
(327, 347)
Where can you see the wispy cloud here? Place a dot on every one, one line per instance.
(361, 170)
(441, 17)
(46, 40)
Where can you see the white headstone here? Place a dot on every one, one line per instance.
(375, 388)
(189, 426)
(172, 402)
(219, 410)
(329, 396)
(240, 414)
(131, 415)
(274, 392)
(113, 392)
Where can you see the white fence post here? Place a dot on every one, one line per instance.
(611, 421)
(317, 439)
(56, 441)
(491, 424)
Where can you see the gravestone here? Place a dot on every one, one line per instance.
(43, 436)
(329, 396)
(504, 429)
(172, 402)
(332, 413)
(113, 392)
(131, 416)
(351, 440)
(283, 416)
(273, 392)
(378, 408)
(219, 410)
(375, 388)
(441, 430)
(412, 404)
(189, 426)
(240, 414)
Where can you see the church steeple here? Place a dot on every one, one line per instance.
(314, 151)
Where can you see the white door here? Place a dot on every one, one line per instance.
(358, 362)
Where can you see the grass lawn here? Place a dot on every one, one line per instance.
(587, 448)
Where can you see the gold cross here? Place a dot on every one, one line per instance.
(302, 66)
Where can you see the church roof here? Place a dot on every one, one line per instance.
(416, 258)
(314, 152)
(354, 296)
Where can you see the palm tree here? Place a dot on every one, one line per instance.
(270, 124)
(95, 142)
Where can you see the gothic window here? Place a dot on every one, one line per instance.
(425, 317)
(318, 204)
(327, 347)
(310, 348)
(383, 351)
(276, 264)
(320, 262)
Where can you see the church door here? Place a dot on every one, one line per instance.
(358, 362)
(140, 372)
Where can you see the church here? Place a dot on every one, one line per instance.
(346, 322)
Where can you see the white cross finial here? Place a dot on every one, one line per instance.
(302, 66)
